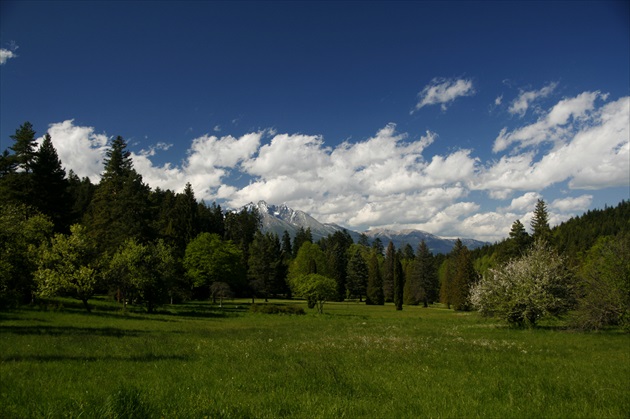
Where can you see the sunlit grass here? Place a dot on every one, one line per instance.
(197, 360)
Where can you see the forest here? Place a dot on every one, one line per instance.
(65, 236)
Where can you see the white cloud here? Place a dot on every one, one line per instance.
(552, 126)
(498, 100)
(5, 55)
(580, 203)
(443, 91)
(389, 180)
(520, 105)
(79, 148)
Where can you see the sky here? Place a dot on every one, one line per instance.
(448, 117)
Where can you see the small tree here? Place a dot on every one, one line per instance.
(316, 288)
(399, 283)
(374, 293)
(67, 266)
(526, 289)
(540, 222)
(220, 291)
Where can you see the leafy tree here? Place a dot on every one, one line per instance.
(527, 289)
(220, 291)
(540, 222)
(208, 259)
(145, 271)
(358, 272)
(388, 272)
(605, 277)
(374, 293)
(301, 236)
(68, 266)
(399, 282)
(22, 229)
(314, 287)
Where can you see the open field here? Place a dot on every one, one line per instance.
(197, 360)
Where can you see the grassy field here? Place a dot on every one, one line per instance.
(197, 360)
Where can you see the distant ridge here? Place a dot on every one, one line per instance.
(280, 218)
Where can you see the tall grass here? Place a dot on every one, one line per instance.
(196, 360)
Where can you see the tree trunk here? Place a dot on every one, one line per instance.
(85, 304)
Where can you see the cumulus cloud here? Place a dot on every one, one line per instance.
(520, 105)
(443, 91)
(79, 148)
(389, 179)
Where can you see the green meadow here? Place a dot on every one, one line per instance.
(198, 360)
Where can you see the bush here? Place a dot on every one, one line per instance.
(526, 289)
(276, 309)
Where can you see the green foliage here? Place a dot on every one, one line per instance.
(310, 259)
(399, 283)
(267, 270)
(422, 284)
(209, 259)
(276, 309)
(540, 222)
(314, 287)
(144, 272)
(22, 231)
(358, 271)
(68, 266)
(605, 277)
(389, 265)
(374, 294)
(336, 247)
(527, 289)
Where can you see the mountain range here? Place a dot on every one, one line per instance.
(280, 218)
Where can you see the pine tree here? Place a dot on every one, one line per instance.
(24, 147)
(540, 222)
(423, 282)
(464, 277)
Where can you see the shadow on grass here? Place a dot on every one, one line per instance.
(63, 358)
(76, 331)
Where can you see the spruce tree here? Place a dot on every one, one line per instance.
(120, 207)
(358, 273)
(540, 222)
(24, 147)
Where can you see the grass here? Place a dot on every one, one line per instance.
(196, 360)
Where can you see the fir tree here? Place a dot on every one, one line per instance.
(389, 266)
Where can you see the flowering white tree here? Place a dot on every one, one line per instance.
(526, 289)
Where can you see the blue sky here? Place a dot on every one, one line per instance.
(451, 117)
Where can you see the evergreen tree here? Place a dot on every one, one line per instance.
(24, 147)
(119, 209)
(266, 265)
(464, 277)
(240, 228)
(377, 245)
(423, 282)
(358, 273)
(374, 294)
(286, 244)
(399, 282)
(389, 266)
(364, 240)
(336, 248)
(51, 186)
(540, 222)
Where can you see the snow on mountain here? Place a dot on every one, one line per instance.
(278, 219)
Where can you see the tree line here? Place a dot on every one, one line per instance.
(65, 235)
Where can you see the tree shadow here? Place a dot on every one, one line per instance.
(70, 331)
(64, 358)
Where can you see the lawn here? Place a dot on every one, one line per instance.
(198, 360)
